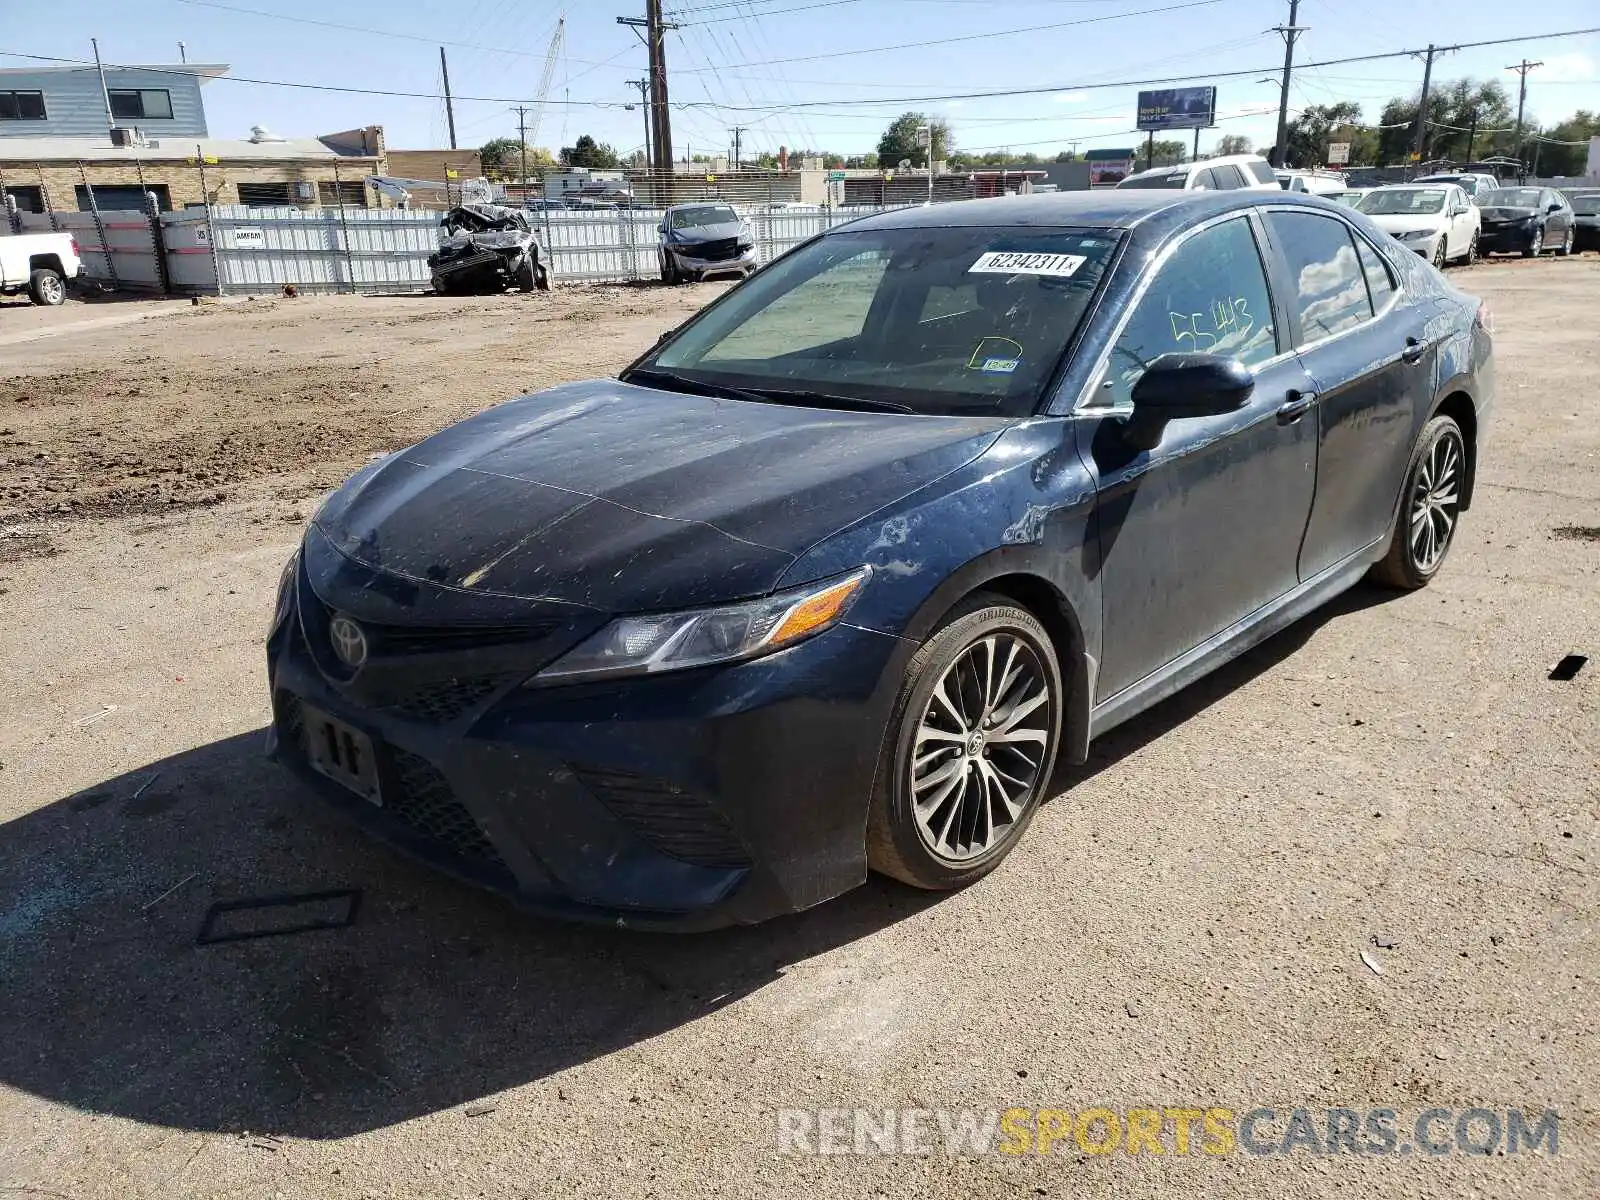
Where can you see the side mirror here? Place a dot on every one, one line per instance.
(1175, 387)
(1554, 206)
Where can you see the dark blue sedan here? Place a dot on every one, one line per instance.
(834, 576)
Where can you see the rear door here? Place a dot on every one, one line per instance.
(1367, 351)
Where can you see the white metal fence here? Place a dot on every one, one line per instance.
(233, 249)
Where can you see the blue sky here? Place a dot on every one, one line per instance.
(749, 62)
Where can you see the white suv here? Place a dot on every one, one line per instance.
(1248, 171)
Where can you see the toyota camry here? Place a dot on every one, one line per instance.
(833, 577)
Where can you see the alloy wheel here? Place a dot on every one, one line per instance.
(1439, 255)
(52, 289)
(1472, 251)
(977, 753)
(1537, 247)
(1436, 501)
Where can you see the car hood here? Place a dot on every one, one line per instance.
(1505, 213)
(706, 233)
(1408, 223)
(627, 499)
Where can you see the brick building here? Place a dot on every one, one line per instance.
(63, 134)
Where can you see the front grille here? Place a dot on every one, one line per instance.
(445, 701)
(673, 821)
(424, 800)
(417, 639)
(716, 251)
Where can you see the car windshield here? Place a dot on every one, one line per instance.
(1512, 198)
(1587, 206)
(1402, 202)
(936, 321)
(1173, 179)
(703, 214)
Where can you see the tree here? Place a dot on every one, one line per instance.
(1571, 158)
(502, 159)
(1310, 133)
(899, 141)
(1066, 156)
(1164, 152)
(1459, 111)
(1233, 143)
(586, 152)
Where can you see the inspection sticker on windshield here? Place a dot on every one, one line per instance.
(998, 366)
(1025, 262)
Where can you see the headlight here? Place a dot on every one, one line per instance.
(285, 602)
(1418, 235)
(674, 641)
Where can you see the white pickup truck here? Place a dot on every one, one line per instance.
(40, 264)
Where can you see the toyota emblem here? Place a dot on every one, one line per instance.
(348, 642)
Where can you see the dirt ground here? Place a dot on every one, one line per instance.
(1183, 925)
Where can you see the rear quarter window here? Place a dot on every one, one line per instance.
(1261, 172)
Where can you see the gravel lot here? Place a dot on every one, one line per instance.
(1182, 927)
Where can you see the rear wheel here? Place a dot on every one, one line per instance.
(1566, 246)
(970, 748)
(1536, 246)
(47, 287)
(1431, 505)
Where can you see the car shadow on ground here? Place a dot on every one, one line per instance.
(436, 996)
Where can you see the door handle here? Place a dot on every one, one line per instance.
(1414, 351)
(1295, 405)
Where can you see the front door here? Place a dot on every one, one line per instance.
(1204, 529)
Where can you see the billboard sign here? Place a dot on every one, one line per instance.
(1107, 168)
(1338, 153)
(1178, 108)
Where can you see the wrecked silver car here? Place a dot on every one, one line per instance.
(487, 248)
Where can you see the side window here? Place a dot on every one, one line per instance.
(1204, 181)
(1329, 291)
(1261, 170)
(1210, 297)
(1380, 283)
(1228, 176)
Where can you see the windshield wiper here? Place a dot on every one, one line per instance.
(671, 379)
(684, 383)
(828, 400)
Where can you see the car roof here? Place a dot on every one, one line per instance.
(1104, 208)
(1419, 185)
(702, 204)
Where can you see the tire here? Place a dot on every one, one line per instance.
(977, 791)
(1440, 255)
(441, 285)
(1421, 540)
(1565, 249)
(46, 287)
(1474, 255)
(525, 277)
(541, 278)
(1536, 246)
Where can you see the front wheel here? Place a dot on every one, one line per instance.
(1536, 246)
(1441, 253)
(970, 748)
(47, 287)
(1474, 254)
(1430, 507)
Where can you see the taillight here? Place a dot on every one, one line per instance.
(74, 242)
(1485, 316)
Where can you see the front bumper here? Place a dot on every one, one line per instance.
(1427, 247)
(1506, 239)
(689, 264)
(689, 801)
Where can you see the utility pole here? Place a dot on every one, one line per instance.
(1522, 69)
(644, 102)
(738, 145)
(1422, 108)
(1472, 134)
(1291, 32)
(522, 143)
(449, 104)
(654, 38)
